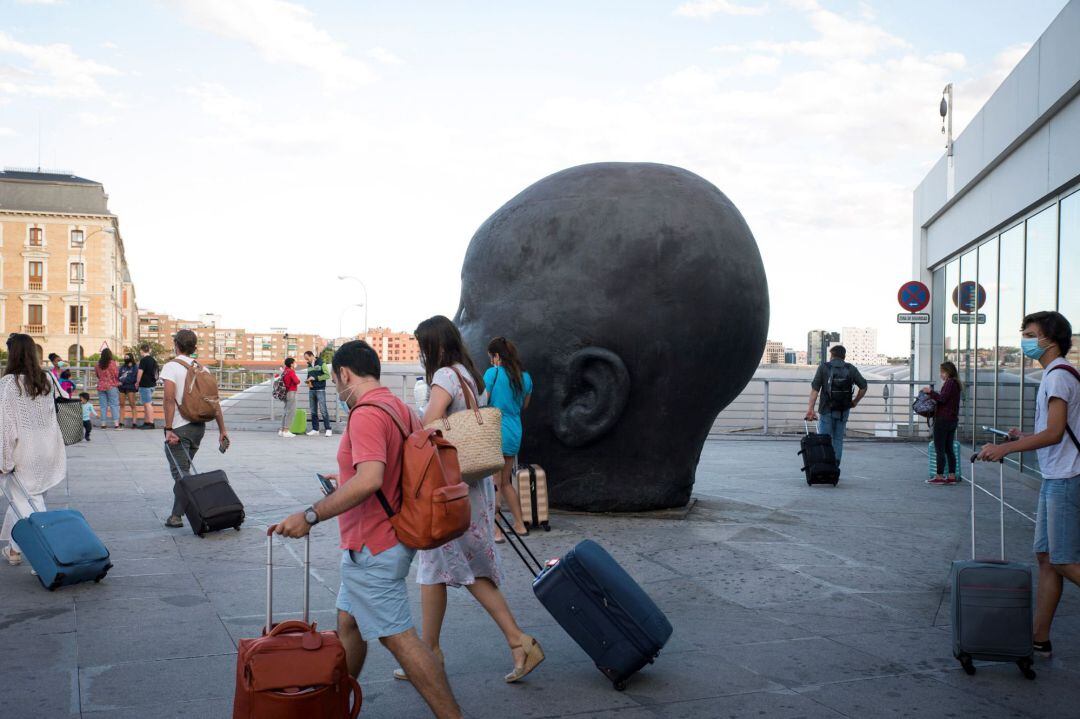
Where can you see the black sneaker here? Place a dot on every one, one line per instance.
(1043, 649)
(174, 522)
(147, 425)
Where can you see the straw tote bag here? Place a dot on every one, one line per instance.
(477, 434)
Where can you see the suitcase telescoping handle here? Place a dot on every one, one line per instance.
(173, 461)
(535, 567)
(10, 499)
(1001, 494)
(270, 579)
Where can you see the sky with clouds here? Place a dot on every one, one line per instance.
(256, 149)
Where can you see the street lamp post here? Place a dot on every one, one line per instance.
(78, 290)
(358, 280)
(341, 317)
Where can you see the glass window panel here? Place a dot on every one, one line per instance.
(937, 312)
(1010, 314)
(1040, 293)
(1069, 269)
(952, 279)
(984, 387)
(969, 264)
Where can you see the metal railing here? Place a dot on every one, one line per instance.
(777, 406)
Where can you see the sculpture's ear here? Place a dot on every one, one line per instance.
(592, 392)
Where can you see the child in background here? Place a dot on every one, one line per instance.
(88, 411)
(66, 383)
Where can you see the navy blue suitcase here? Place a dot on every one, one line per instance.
(60, 546)
(600, 606)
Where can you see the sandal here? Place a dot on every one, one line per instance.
(13, 558)
(534, 655)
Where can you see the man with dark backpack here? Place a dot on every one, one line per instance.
(1046, 338)
(831, 389)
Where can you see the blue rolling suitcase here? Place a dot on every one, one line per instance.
(992, 603)
(599, 605)
(59, 545)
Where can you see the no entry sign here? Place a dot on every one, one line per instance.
(913, 296)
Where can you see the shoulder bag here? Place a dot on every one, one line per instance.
(477, 434)
(68, 414)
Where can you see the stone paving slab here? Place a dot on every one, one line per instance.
(787, 601)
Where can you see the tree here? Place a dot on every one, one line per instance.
(157, 351)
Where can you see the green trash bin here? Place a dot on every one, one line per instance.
(299, 422)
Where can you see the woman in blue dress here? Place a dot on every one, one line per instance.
(510, 388)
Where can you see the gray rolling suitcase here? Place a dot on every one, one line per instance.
(992, 603)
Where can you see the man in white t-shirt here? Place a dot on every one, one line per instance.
(1047, 338)
(182, 437)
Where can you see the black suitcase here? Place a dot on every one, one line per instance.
(819, 459)
(599, 605)
(211, 503)
(991, 602)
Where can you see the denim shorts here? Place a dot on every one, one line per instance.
(1057, 523)
(373, 590)
(146, 395)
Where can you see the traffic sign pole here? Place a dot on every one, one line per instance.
(913, 296)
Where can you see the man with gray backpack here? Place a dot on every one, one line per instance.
(831, 389)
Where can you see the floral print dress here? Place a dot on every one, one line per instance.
(472, 555)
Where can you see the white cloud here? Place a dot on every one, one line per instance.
(49, 70)
(220, 104)
(93, 119)
(109, 45)
(7, 132)
(283, 33)
(707, 8)
(384, 56)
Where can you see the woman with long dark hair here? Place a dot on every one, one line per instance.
(129, 388)
(509, 388)
(108, 387)
(31, 446)
(471, 560)
(946, 418)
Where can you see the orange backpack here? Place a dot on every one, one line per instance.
(434, 501)
(201, 401)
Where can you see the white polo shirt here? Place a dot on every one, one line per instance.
(1062, 460)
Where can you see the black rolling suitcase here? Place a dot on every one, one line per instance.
(211, 502)
(599, 605)
(991, 602)
(819, 459)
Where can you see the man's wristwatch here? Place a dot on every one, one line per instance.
(311, 516)
(168, 429)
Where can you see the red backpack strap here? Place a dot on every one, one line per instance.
(405, 432)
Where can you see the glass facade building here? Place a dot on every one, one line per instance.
(1031, 265)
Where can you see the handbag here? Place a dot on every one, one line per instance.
(68, 415)
(477, 434)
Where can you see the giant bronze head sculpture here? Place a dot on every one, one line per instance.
(637, 298)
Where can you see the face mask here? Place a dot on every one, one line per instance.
(345, 394)
(1030, 347)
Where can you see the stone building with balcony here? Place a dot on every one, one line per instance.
(64, 278)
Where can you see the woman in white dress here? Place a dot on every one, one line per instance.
(31, 445)
(471, 560)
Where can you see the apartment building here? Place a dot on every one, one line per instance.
(393, 346)
(861, 345)
(774, 353)
(227, 344)
(64, 279)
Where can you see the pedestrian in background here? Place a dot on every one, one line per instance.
(317, 374)
(31, 445)
(108, 386)
(833, 383)
(946, 417)
(146, 379)
(509, 388)
(88, 413)
(67, 385)
(129, 388)
(56, 365)
(292, 383)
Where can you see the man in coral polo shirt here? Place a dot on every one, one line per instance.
(373, 601)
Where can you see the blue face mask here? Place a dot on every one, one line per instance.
(1030, 347)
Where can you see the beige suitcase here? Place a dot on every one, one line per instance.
(532, 489)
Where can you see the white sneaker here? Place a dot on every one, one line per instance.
(329, 433)
(312, 432)
(280, 432)
(287, 434)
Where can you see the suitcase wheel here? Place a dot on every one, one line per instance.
(236, 527)
(965, 662)
(621, 684)
(546, 526)
(834, 482)
(1025, 668)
